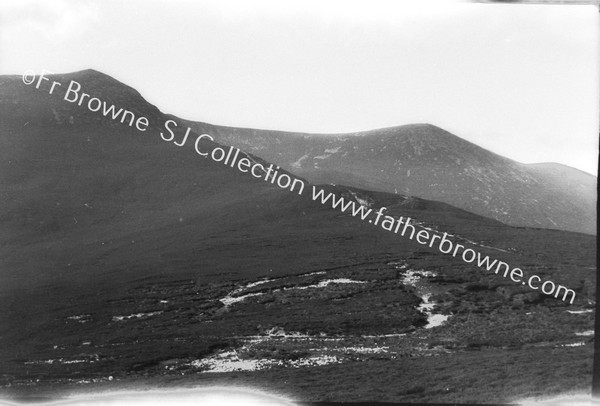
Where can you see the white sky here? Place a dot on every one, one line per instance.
(520, 80)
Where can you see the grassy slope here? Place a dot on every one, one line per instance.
(426, 161)
(102, 220)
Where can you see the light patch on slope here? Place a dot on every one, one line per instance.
(298, 163)
(433, 320)
(362, 202)
(136, 316)
(82, 318)
(64, 361)
(325, 283)
(232, 297)
(580, 311)
(229, 300)
(578, 344)
(229, 361)
(333, 150)
(413, 278)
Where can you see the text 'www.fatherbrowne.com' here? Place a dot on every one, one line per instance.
(433, 238)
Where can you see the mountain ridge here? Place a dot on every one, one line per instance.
(428, 162)
(421, 159)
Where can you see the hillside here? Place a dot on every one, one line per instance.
(426, 161)
(128, 261)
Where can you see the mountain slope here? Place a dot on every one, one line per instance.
(124, 258)
(425, 161)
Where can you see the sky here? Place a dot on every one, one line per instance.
(519, 80)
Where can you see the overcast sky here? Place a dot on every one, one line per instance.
(520, 80)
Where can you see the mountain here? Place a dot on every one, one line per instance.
(426, 161)
(128, 261)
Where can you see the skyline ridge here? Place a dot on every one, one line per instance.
(358, 133)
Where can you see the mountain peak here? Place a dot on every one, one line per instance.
(90, 71)
(53, 107)
(89, 76)
(414, 132)
(426, 161)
